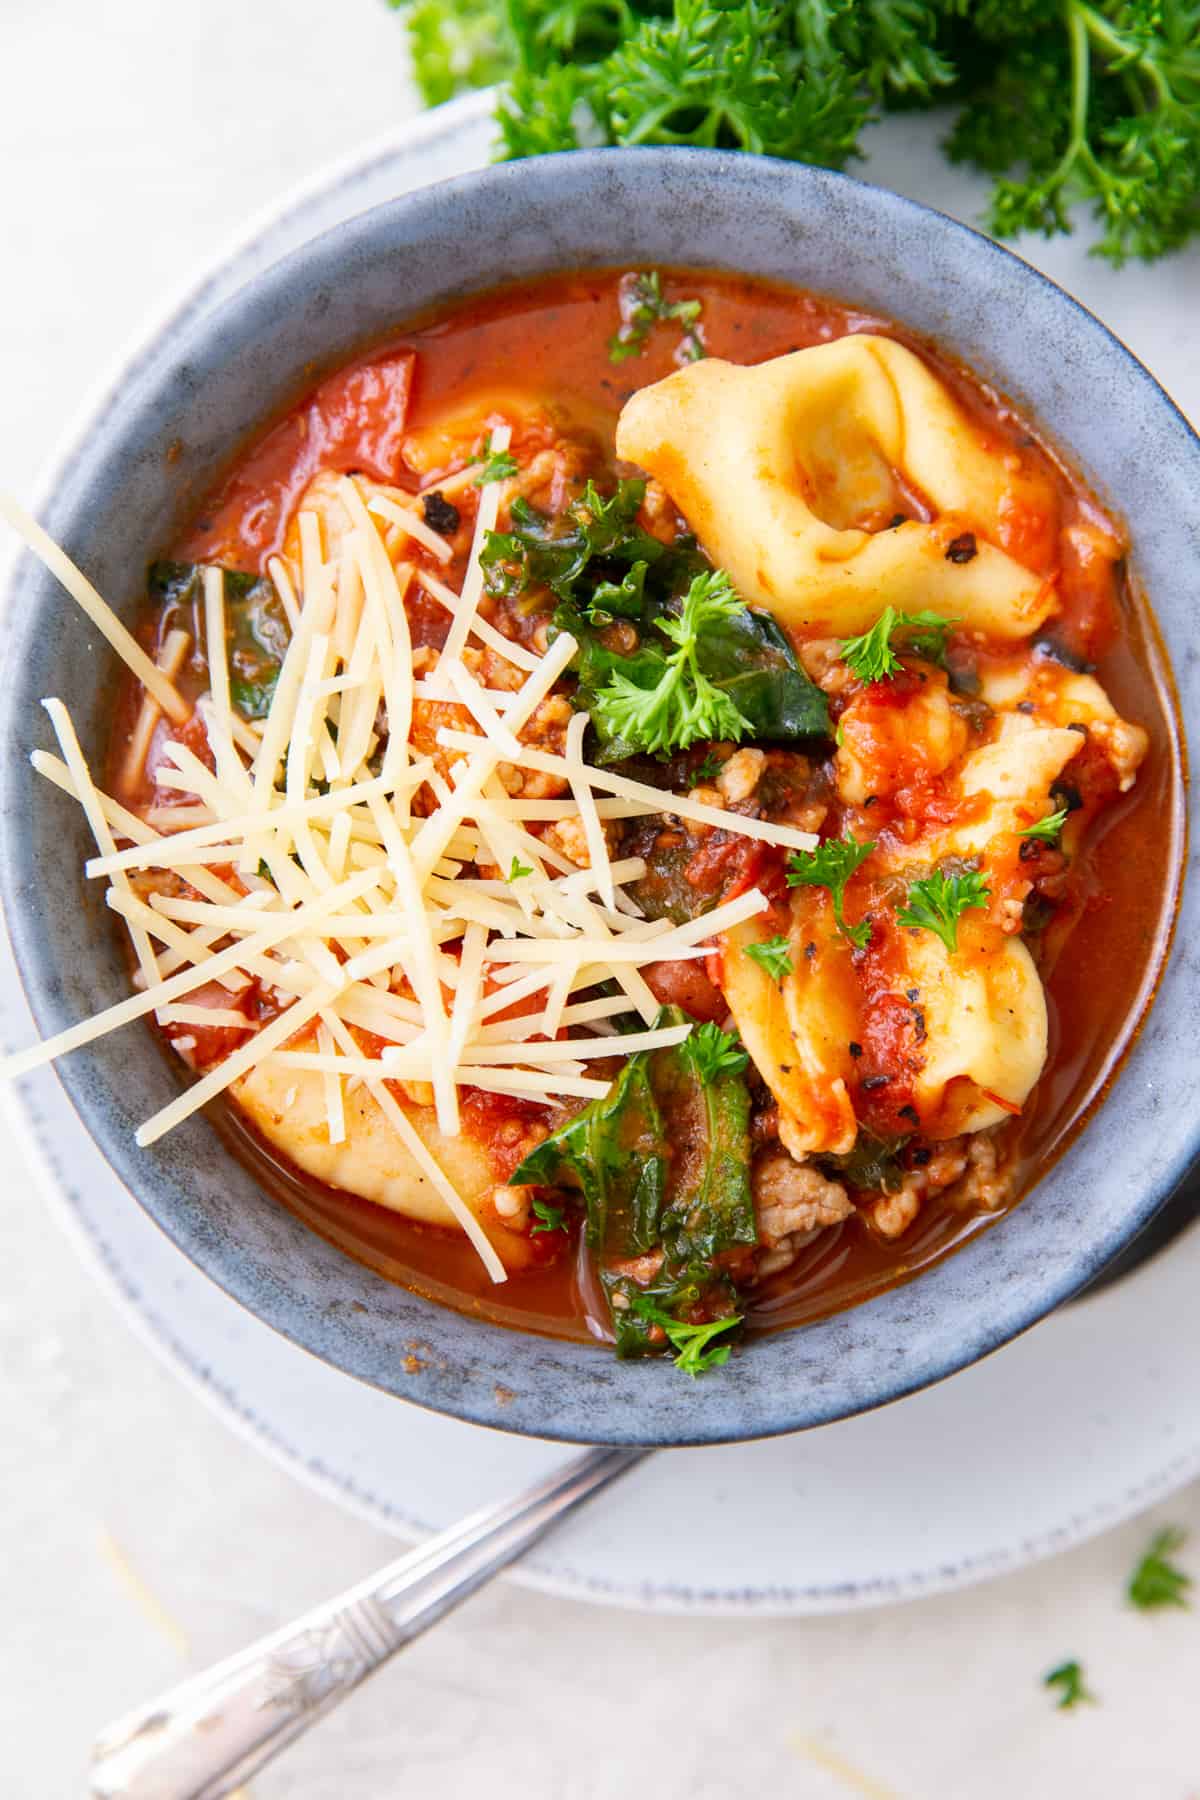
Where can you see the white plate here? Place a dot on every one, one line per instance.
(1078, 1425)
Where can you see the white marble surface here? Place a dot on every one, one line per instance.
(137, 1536)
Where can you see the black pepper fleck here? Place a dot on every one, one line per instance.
(810, 950)
(913, 994)
(909, 1112)
(855, 1050)
(962, 549)
(439, 514)
(871, 1082)
(1026, 706)
(921, 1156)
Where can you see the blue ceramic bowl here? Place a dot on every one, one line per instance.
(206, 383)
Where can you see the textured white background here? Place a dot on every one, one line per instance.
(137, 1537)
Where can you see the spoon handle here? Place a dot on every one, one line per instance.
(207, 1736)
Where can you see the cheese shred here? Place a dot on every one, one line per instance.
(399, 909)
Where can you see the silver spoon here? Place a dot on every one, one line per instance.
(206, 1737)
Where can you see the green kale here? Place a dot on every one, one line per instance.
(556, 554)
(872, 1166)
(662, 1163)
(643, 305)
(616, 1153)
(256, 628)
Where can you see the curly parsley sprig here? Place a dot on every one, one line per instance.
(683, 706)
(710, 1052)
(772, 955)
(497, 465)
(871, 656)
(1064, 103)
(830, 866)
(939, 902)
(1049, 829)
(691, 1341)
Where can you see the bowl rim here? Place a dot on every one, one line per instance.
(193, 320)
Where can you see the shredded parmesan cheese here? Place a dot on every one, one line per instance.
(377, 891)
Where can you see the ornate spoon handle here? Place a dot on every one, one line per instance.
(206, 1737)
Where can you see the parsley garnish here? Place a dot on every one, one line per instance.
(683, 705)
(550, 1218)
(771, 955)
(1077, 103)
(1156, 1582)
(710, 1052)
(1049, 829)
(871, 656)
(830, 866)
(1068, 1678)
(938, 903)
(690, 1340)
(498, 465)
(642, 307)
(708, 770)
(517, 870)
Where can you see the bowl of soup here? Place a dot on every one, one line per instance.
(604, 837)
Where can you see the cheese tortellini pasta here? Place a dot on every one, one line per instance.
(790, 474)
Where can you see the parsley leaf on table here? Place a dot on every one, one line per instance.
(1156, 1581)
(1068, 1679)
(683, 706)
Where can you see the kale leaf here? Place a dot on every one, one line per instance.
(661, 1162)
(601, 566)
(256, 628)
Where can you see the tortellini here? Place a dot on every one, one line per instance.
(287, 1108)
(777, 468)
(1054, 695)
(984, 1027)
(986, 1030)
(798, 1035)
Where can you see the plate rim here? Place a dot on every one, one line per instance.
(778, 1600)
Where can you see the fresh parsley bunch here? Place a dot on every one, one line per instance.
(1060, 101)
